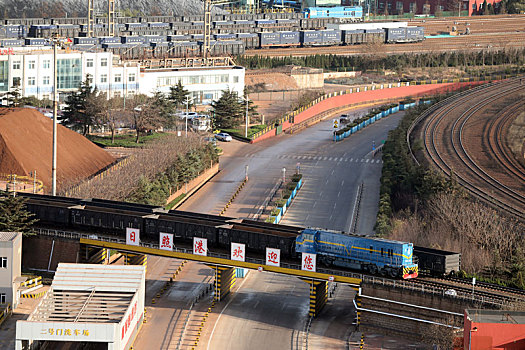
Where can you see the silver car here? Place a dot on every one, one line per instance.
(223, 136)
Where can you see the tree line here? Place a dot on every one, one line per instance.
(376, 60)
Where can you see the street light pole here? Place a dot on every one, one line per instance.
(247, 120)
(186, 118)
(55, 107)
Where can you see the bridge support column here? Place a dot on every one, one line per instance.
(318, 296)
(136, 259)
(357, 311)
(95, 255)
(224, 281)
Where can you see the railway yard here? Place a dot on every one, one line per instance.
(190, 303)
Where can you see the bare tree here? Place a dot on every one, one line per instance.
(143, 114)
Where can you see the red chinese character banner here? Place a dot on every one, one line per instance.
(200, 246)
(132, 236)
(238, 252)
(308, 262)
(166, 241)
(273, 257)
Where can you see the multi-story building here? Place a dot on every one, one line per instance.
(10, 266)
(32, 72)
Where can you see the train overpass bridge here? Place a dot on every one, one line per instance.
(224, 267)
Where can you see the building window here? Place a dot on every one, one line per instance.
(89, 62)
(131, 77)
(103, 78)
(31, 65)
(103, 62)
(118, 78)
(45, 80)
(16, 81)
(413, 7)
(399, 7)
(3, 262)
(69, 73)
(46, 64)
(235, 79)
(16, 64)
(2, 298)
(31, 81)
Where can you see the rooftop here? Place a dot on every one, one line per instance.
(8, 236)
(89, 293)
(496, 316)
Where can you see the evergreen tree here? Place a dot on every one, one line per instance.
(178, 96)
(14, 216)
(84, 108)
(228, 110)
(14, 97)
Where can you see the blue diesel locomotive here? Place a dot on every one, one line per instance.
(352, 12)
(373, 255)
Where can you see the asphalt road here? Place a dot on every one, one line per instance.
(332, 173)
(268, 311)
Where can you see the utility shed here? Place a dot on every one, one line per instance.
(98, 304)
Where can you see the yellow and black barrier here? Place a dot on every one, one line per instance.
(33, 295)
(233, 196)
(318, 296)
(224, 281)
(136, 259)
(97, 255)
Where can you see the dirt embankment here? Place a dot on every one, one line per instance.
(26, 145)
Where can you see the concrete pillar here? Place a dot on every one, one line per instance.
(318, 296)
(18, 344)
(96, 255)
(136, 259)
(224, 281)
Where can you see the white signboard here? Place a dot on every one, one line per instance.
(273, 257)
(308, 262)
(166, 241)
(132, 236)
(238, 252)
(200, 246)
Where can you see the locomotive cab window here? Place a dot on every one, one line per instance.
(371, 249)
(382, 253)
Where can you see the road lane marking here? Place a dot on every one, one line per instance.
(218, 318)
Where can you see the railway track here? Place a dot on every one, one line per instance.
(445, 140)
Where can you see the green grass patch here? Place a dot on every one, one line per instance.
(240, 131)
(175, 201)
(127, 140)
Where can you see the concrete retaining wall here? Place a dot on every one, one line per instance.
(36, 251)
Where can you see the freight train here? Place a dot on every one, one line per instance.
(372, 255)
(167, 36)
(231, 44)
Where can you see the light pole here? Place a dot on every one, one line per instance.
(186, 117)
(475, 329)
(247, 118)
(55, 106)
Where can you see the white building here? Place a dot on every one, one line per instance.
(32, 71)
(88, 303)
(204, 84)
(10, 267)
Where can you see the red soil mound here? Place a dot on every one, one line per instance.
(26, 144)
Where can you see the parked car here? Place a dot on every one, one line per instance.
(223, 136)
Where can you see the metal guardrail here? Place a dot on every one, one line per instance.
(402, 284)
(7, 311)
